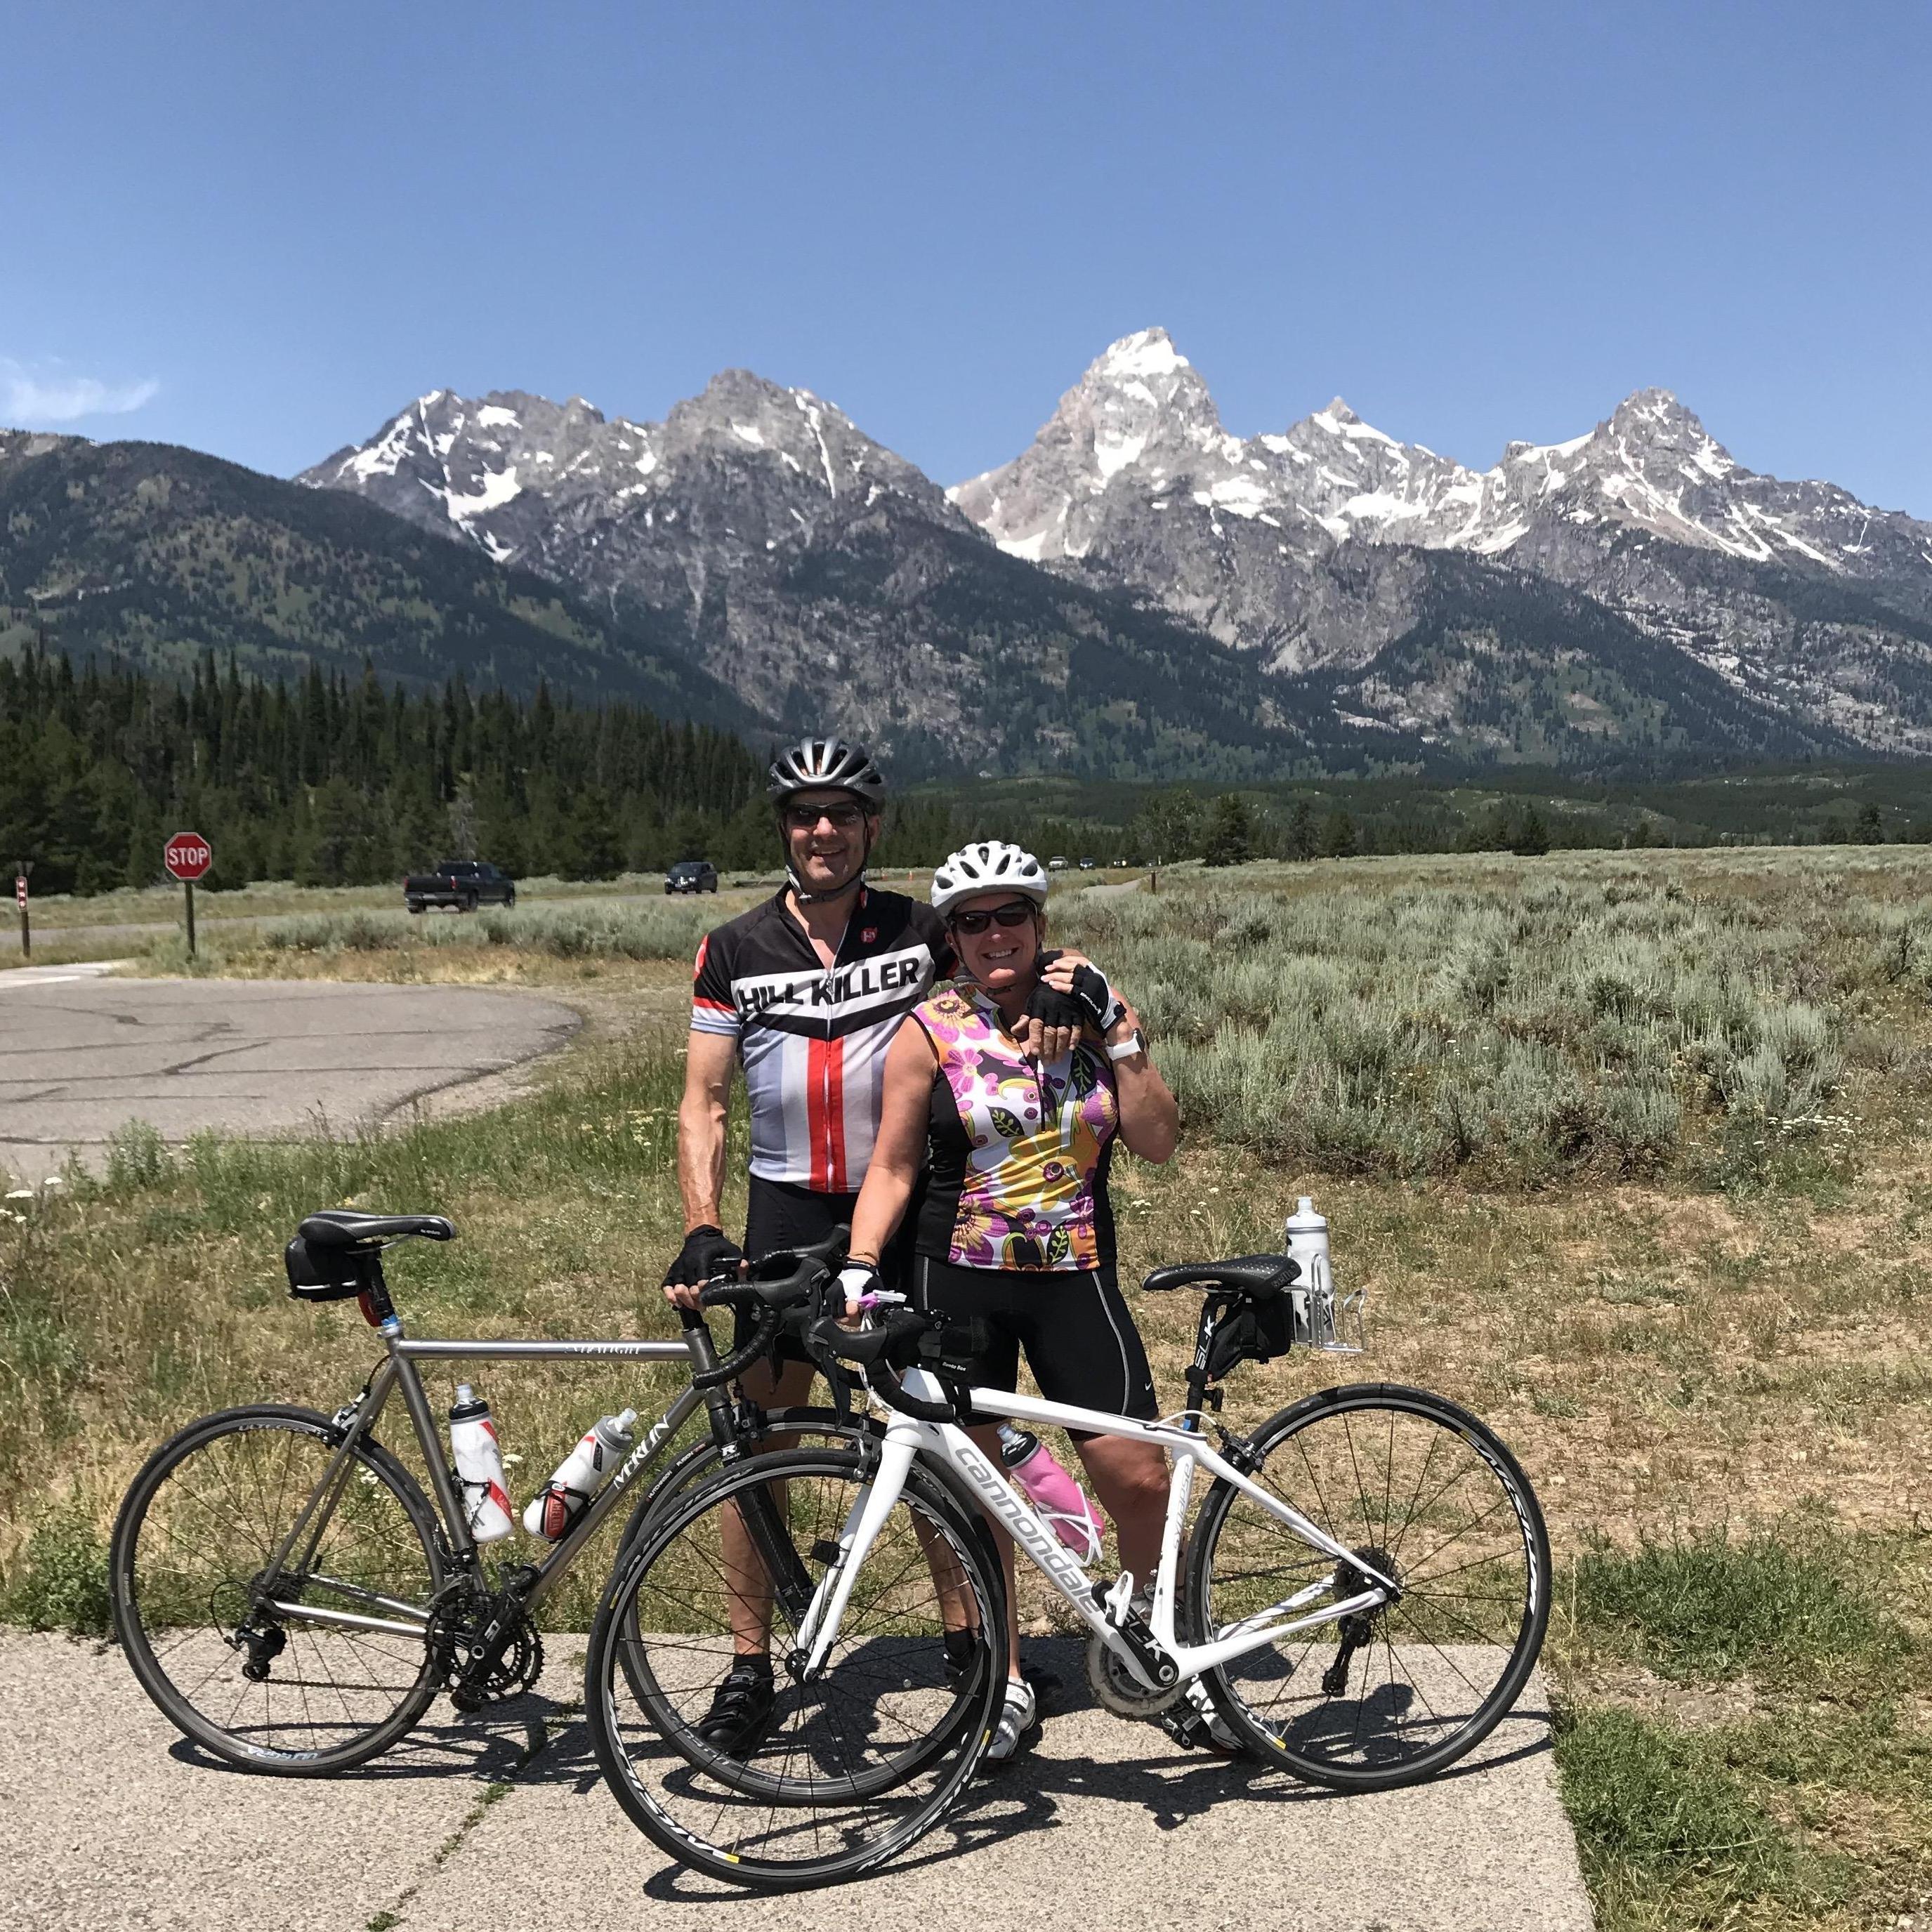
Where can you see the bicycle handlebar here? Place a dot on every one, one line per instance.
(795, 1275)
(867, 1348)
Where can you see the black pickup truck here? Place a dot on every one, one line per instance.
(462, 884)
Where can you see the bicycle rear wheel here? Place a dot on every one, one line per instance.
(272, 1674)
(852, 1766)
(1423, 1492)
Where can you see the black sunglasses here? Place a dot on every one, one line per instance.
(1017, 914)
(805, 818)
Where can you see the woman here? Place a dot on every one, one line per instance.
(1016, 1227)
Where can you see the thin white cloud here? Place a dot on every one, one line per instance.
(52, 395)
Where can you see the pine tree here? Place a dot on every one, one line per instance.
(1231, 834)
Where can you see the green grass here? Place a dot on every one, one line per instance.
(1795, 1611)
(1670, 1835)
(1719, 1358)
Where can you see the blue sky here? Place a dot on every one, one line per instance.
(260, 230)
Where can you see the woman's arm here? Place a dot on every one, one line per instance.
(1150, 1115)
(899, 1151)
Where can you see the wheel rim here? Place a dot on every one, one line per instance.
(269, 1684)
(1398, 1690)
(848, 1769)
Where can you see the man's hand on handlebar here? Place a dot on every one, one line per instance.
(707, 1252)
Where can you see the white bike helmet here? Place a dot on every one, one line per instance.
(991, 866)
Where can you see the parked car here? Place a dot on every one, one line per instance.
(461, 885)
(692, 875)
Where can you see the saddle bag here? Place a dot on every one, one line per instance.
(1254, 1331)
(330, 1274)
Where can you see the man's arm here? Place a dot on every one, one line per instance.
(703, 1116)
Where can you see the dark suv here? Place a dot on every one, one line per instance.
(692, 875)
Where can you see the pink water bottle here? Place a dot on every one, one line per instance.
(1062, 1504)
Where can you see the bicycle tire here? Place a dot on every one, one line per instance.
(705, 1460)
(853, 1766)
(1394, 1468)
(151, 1580)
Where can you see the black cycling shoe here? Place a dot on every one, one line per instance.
(740, 1708)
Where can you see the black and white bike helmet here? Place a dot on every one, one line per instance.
(991, 866)
(826, 764)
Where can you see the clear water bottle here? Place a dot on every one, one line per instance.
(479, 1467)
(579, 1476)
(1063, 1505)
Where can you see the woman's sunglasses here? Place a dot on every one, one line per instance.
(1017, 914)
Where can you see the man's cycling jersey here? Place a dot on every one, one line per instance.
(813, 1041)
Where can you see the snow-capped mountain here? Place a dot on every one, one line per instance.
(523, 478)
(1135, 481)
(822, 578)
(1140, 427)
(825, 579)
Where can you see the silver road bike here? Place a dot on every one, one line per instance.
(289, 1597)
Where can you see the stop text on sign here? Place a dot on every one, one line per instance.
(186, 856)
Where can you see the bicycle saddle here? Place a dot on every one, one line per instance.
(339, 1228)
(1261, 1276)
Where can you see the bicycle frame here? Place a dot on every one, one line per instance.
(398, 1370)
(906, 1438)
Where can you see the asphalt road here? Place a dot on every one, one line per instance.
(110, 1820)
(80, 1055)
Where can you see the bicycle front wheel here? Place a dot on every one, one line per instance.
(849, 1765)
(1422, 1492)
(317, 1667)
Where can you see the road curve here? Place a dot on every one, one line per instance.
(79, 1057)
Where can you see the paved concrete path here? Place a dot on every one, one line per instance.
(110, 1820)
(80, 1056)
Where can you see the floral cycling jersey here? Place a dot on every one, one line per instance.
(1019, 1151)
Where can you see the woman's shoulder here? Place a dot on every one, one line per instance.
(945, 1004)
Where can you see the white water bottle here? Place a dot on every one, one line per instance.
(1314, 1289)
(579, 1476)
(479, 1467)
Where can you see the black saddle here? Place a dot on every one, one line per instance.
(1259, 1277)
(339, 1228)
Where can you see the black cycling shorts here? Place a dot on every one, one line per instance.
(780, 1214)
(1081, 1341)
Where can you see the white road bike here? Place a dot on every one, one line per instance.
(1363, 1591)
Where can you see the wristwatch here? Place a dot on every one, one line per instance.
(1126, 1048)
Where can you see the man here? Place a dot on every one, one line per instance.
(807, 991)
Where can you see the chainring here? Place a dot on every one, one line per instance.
(1119, 1690)
(454, 1627)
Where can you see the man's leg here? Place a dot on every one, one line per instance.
(784, 1384)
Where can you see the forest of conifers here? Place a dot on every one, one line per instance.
(333, 780)
(330, 782)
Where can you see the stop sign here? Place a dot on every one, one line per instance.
(186, 856)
